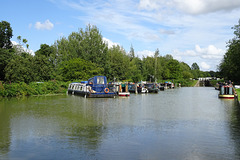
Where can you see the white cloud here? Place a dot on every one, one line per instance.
(47, 25)
(208, 57)
(173, 26)
(110, 43)
(149, 4)
(205, 66)
(211, 52)
(190, 6)
(206, 6)
(145, 53)
(20, 48)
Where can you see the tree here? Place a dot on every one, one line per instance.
(20, 69)
(131, 53)
(119, 63)
(86, 44)
(230, 66)
(5, 35)
(156, 54)
(175, 69)
(195, 66)
(92, 47)
(186, 71)
(135, 70)
(78, 68)
(5, 56)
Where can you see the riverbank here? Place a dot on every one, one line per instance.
(183, 82)
(238, 93)
(33, 88)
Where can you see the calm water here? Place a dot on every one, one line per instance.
(184, 123)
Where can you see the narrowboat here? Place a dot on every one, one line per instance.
(140, 88)
(123, 90)
(152, 87)
(169, 85)
(95, 87)
(226, 92)
(161, 86)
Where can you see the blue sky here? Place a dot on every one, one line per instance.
(190, 30)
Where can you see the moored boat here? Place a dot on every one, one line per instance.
(140, 88)
(152, 88)
(123, 90)
(95, 87)
(226, 92)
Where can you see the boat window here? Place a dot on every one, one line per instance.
(90, 81)
(100, 80)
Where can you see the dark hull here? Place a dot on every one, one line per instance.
(93, 95)
(161, 88)
(153, 90)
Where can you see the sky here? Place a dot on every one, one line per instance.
(190, 30)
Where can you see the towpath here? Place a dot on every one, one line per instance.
(197, 84)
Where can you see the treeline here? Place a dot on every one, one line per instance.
(230, 66)
(82, 55)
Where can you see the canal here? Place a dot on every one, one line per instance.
(184, 123)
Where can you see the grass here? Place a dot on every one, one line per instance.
(238, 93)
(32, 89)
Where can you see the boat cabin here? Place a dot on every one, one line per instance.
(98, 83)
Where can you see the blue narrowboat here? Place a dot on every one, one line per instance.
(95, 87)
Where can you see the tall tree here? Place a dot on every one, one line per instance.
(78, 68)
(195, 66)
(230, 66)
(5, 56)
(131, 53)
(20, 68)
(45, 63)
(5, 35)
(119, 63)
(175, 69)
(156, 54)
(6, 50)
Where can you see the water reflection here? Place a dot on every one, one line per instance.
(5, 131)
(186, 123)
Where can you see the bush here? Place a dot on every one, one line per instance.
(34, 88)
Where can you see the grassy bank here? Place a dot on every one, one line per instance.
(183, 82)
(34, 88)
(238, 93)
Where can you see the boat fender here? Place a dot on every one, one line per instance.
(90, 90)
(106, 90)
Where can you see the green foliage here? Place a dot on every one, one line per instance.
(82, 55)
(87, 45)
(34, 88)
(78, 68)
(195, 66)
(230, 66)
(45, 63)
(119, 63)
(174, 68)
(131, 53)
(19, 68)
(5, 35)
(238, 93)
(5, 57)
